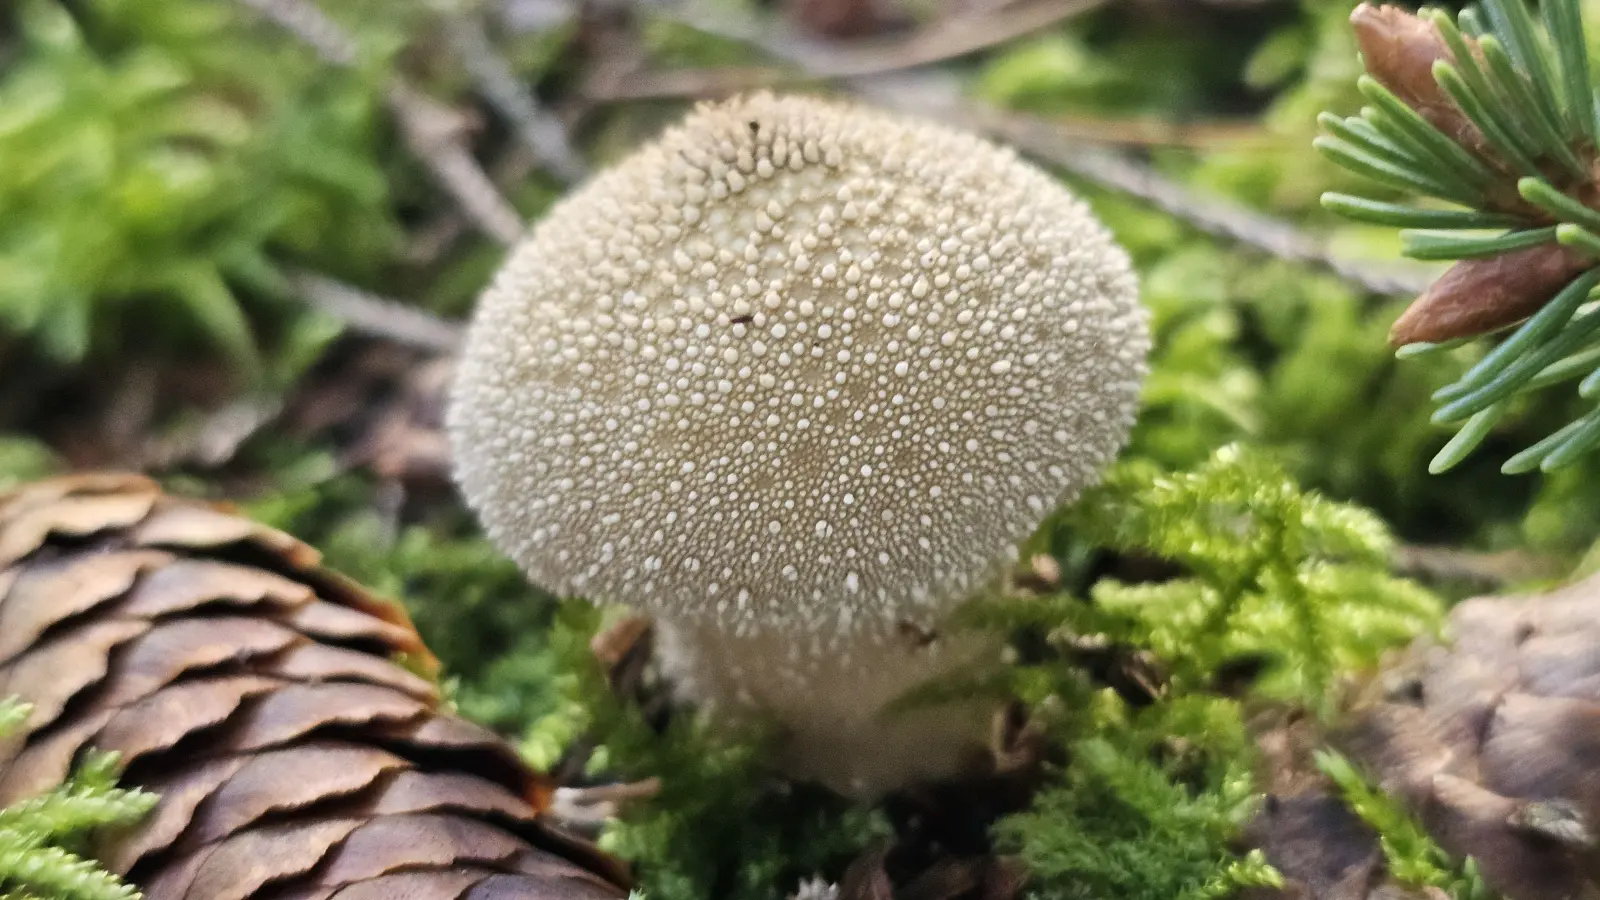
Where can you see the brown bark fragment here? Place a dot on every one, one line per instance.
(1492, 739)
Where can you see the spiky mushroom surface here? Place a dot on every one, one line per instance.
(258, 695)
(797, 377)
(796, 365)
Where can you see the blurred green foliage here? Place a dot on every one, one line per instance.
(23, 458)
(162, 161)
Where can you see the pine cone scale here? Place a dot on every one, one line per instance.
(1563, 665)
(62, 668)
(28, 525)
(1545, 747)
(180, 796)
(238, 867)
(43, 598)
(258, 695)
(158, 722)
(414, 791)
(418, 839)
(167, 652)
(402, 886)
(297, 710)
(324, 663)
(285, 780)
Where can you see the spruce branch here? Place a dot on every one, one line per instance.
(1493, 112)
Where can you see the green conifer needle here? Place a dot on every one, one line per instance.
(1467, 439)
(1434, 245)
(1399, 216)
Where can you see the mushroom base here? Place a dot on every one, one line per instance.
(831, 702)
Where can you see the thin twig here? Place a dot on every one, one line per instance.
(670, 84)
(1490, 571)
(307, 22)
(946, 39)
(723, 81)
(591, 807)
(377, 316)
(214, 440)
(538, 128)
(1237, 223)
(433, 132)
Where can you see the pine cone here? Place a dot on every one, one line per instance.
(259, 696)
(1492, 739)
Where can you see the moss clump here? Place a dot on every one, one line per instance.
(168, 161)
(1260, 584)
(42, 839)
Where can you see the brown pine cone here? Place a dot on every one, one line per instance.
(258, 694)
(1493, 739)
(1490, 738)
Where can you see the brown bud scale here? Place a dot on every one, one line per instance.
(258, 694)
(1399, 51)
(1477, 296)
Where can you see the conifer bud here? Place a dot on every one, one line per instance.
(1477, 296)
(1399, 50)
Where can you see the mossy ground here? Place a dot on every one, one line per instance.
(182, 162)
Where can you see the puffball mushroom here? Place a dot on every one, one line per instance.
(797, 374)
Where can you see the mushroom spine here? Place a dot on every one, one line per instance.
(796, 368)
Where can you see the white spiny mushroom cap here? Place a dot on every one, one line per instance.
(796, 365)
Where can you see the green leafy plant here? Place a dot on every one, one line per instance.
(42, 839)
(1492, 111)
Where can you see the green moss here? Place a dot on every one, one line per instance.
(163, 159)
(1146, 808)
(1268, 576)
(1410, 853)
(42, 839)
